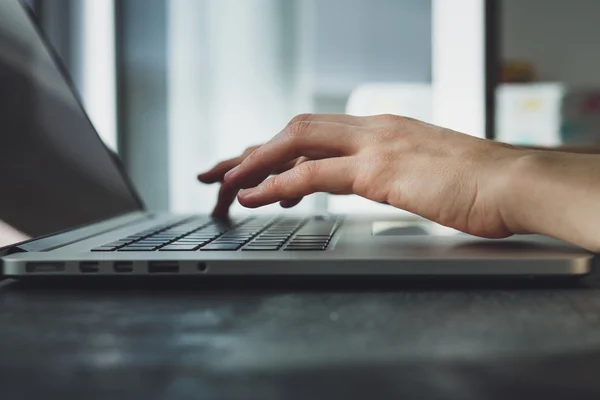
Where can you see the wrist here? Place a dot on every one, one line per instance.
(519, 184)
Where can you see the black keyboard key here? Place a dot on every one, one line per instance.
(269, 235)
(180, 243)
(309, 238)
(204, 237)
(149, 243)
(307, 244)
(267, 242)
(304, 248)
(137, 248)
(105, 248)
(191, 241)
(137, 244)
(179, 247)
(260, 248)
(221, 247)
(163, 237)
(301, 240)
(118, 243)
(211, 229)
(321, 244)
(237, 235)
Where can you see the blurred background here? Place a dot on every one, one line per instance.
(174, 86)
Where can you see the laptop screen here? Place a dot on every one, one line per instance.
(55, 172)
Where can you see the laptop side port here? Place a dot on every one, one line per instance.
(44, 267)
(123, 266)
(89, 267)
(163, 267)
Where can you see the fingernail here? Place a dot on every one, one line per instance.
(247, 192)
(231, 172)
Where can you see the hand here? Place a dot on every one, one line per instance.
(445, 176)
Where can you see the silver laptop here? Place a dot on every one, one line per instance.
(67, 207)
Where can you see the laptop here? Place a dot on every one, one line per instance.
(67, 207)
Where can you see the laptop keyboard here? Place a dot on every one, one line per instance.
(252, 234)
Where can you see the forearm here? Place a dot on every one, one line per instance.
(556, 194)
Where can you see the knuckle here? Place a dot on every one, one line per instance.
(306, 171)
(300, 118)
(254, 156)
(388, 117)
(382, 136)
(271, 185)
(395, 119)
(249, 150)
(391, 135)
(298, 129)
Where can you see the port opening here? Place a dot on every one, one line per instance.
(163, 267)
(88, 267)
(44, 267)
(123, 266)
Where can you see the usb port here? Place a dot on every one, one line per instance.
(163, 267)
(89, 267)
(45, 267)
(123, 266)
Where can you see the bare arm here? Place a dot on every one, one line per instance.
(557, 194)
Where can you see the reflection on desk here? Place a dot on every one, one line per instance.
(238, 339)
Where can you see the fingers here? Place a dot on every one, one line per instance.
(225, 199)
(216, 173)
(227, 194)
(315, 140)
(330, 175)
(290, 203)
(293, 202)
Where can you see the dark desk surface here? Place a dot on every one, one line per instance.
(417, 341)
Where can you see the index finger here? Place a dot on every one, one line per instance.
(314, 140)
